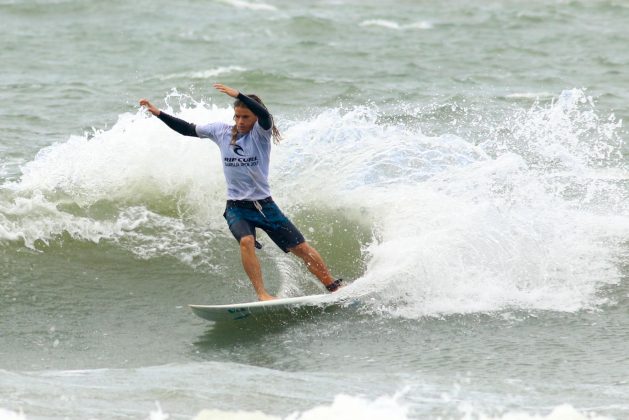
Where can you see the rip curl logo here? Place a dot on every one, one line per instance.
(239, 150)
(242, 160)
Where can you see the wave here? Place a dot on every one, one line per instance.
(530, 95)
(241, 4)
(343, 407)
(347, 407)
(531, 216)
(206, 74)
(389, 24)
(214, 390)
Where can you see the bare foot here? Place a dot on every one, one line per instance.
(266, 296)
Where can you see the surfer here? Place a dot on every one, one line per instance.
(245, 150)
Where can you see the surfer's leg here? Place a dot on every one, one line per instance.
(251, 265)
(245, 233)
(314, 262)
(286, 235)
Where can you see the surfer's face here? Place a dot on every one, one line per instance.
(244, 119)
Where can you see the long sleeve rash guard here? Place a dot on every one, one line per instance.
(189, 129)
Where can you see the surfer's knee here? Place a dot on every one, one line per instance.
(301, 249)
(247, 242)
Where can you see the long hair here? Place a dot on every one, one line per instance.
(277, 137)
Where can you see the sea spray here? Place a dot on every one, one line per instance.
(457, 226)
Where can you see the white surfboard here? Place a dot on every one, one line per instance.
(239, 311)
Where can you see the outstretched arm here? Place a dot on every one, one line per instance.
(264, 117)
(182, 127)
(226, 90)
(150, 107)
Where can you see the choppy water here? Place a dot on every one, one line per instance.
(463, 163)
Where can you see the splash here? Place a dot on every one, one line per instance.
(137, 184)
(531, 216)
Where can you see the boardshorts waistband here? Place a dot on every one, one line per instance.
(248, 204)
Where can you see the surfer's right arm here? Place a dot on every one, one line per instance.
(182, 127)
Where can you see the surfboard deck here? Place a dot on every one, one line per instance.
(240, 311)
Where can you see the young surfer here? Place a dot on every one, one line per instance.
(245, 150)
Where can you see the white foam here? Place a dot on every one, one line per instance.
(562, 412)
(138, 159)
(533, 217)
(212, 414)
(241, 4)
(11, 415)
(531, 95)
(205, 74)
(343, 407)
(389, 24)
(346, 407)
(138, 163)
(382, 23)
(462, 228)
(158, 414)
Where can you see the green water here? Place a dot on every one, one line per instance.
(462, 164)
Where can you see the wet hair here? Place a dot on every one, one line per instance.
(277, 137)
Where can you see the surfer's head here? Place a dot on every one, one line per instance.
(245, 119)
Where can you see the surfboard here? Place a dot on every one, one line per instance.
(240, 311)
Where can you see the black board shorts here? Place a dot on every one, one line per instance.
(243, 217)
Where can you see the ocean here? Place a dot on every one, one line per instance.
(463, 165)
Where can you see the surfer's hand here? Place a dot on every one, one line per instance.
(151, 108)
(226, 90)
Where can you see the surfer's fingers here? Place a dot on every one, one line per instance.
(226, 90)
